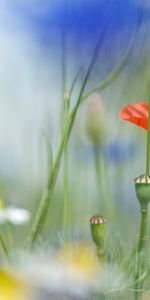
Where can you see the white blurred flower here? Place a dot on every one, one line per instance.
(14, 215)
(75, 274)
(72, 271)
(113, 280)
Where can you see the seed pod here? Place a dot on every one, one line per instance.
(98, 230)
(142, 188)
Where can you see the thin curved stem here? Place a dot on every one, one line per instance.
(114, 72)
(4, 247)
(47, 194)
(66, 206)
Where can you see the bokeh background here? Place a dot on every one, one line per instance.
(31, 61)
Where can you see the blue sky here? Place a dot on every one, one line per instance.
(80, 17)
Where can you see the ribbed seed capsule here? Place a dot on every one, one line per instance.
(98, 229)
(142, 188)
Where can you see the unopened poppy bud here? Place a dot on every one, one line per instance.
(142, 187)
(95, 121)
(98, 229)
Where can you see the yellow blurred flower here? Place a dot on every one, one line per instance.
(13, 288)
(81, 259)
(73, 272)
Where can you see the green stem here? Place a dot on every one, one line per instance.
(148, 141)
(100, 256)
(97, 162)
(143, 228)
(4, 247)
(66, 207)
(101, 178)
(141, 251)
(103, 182)
(47, 194)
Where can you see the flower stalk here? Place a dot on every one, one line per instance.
(142, 185)
(102, 179)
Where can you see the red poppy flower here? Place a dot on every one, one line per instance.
(136, 114)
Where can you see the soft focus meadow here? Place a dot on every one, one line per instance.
(69, 213)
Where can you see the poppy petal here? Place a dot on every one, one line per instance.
(136, 114)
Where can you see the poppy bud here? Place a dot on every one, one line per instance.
(95, 121)
(98, 229)
(142, 188)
